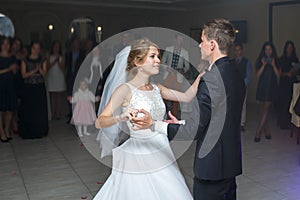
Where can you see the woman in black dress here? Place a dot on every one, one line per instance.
(287, 78)
(16, 50)
(33, 108)
(268, 72)
(8, 96)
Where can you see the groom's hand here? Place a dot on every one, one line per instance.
(172, 120)
(143, 122)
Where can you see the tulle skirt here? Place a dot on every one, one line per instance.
(144, 169)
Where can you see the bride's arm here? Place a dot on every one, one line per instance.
(175, 95)
(106, 118)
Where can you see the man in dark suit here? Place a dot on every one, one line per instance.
(245, 69)
(215, 122)
(73, 60)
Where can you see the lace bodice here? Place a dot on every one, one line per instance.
(36, 78)
(149, 100)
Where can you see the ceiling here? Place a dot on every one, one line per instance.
(145, 4)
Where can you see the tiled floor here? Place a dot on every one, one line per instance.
(60, 167)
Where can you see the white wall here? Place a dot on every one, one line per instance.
(286, 25)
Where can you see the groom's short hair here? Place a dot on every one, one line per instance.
(220, 30)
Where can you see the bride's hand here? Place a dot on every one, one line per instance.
(143, 122)
(127, 115)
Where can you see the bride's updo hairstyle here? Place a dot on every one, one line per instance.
(138, 52)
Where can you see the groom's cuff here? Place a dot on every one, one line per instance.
(161, 127)
(182, 122)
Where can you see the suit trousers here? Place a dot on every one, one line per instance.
(224, 189)
(243, 120)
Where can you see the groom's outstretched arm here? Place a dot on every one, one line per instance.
(198, 120)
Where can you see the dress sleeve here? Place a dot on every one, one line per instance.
(92, 97)
(74, 98)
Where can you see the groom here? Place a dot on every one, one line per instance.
(216, 124)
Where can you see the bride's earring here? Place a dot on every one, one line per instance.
(140, 69)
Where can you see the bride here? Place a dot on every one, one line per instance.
(144, 166)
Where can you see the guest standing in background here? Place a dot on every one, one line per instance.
(8, 96)
(268, 73)
(33, 108)
(245, 69)
(95, 67)
(73, 60)
(55, 78)
(16, 50)
(176, 58)
(287, 78)
(89, 44)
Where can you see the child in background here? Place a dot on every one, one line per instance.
(84, 110)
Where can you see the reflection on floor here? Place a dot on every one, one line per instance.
(60, 167)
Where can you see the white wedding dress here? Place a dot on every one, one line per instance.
(144, 167)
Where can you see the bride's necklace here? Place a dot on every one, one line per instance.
(146, 86)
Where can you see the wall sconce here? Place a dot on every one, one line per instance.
(50, 27)
(99, 33)
(72, 30)
(240, 31)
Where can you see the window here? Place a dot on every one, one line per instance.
(6, 26)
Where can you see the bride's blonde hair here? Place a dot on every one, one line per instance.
(138, 52)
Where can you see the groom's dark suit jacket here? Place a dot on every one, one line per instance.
(215, 123)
